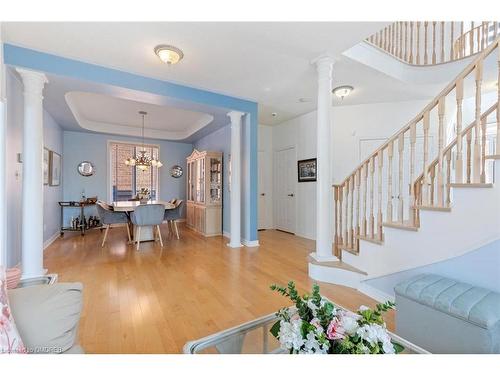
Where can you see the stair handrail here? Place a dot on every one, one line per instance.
(365, 171)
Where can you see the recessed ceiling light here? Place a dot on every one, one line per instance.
(342, 91)
(169, 54)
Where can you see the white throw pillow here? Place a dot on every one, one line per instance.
(10, 340)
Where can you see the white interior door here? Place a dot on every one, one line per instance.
(284, 194)
(263, 196)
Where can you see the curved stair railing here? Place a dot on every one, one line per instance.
(423, 43)
(412, 169)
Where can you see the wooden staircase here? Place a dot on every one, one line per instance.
(419, 167)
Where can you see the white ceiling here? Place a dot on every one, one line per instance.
(264, 62)
(114, 115)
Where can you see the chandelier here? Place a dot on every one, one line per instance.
(143, 161)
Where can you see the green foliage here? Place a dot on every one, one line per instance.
(375, 316)
(275, 329)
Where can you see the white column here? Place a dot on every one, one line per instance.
(3, 141)
(324, 191)
(32, 205)
(235, 240)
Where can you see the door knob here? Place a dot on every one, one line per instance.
(290, 195)
(262, 194)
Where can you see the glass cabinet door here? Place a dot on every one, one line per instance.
(215, 165)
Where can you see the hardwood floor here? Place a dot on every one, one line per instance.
(155, 300)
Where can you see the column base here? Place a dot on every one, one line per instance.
(25, 276)
(319, 258)
(234, 245)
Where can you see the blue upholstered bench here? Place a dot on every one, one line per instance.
(446, 316)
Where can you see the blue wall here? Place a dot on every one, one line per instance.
(220, 140)
(480, 267)
(79, 146)
(53, 140)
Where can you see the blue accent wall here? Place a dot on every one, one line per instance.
(79, 146)
(31, 59)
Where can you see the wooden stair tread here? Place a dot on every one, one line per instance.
(372, 240)
(492, 157)
(405, 226)
(336, 264)
(433, 208)
(471, 185)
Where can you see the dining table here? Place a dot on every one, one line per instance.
(146, 233)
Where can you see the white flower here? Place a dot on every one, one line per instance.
(312, 306)
(312, 346)
(363, 308)
(350, 325)
(375, 334)
(368, 333)
(316, 323)
(290, 336)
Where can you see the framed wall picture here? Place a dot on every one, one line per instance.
(54, 169)
(46, 157)
(306, 170)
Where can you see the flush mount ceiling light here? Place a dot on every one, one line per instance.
(170, 55)
(342, 91)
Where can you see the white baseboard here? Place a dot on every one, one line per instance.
(49, 241)
(375, 293)
(243, 241)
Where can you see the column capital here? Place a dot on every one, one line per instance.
(324, 60)
(33, 81)
(235, 116)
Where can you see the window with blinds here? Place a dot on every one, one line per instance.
(126, 181)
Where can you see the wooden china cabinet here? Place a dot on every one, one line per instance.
(204, 192)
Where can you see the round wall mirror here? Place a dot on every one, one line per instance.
(86, 168)
(176, 171)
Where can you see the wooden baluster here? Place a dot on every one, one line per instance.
(483, 150)
(452, 27)
(385, 39)
(380, 164)
(426, 55)
(425, 188)
(432, 173)
(478, 38)
(401, 40)
(377, 39)
(448, 179)
(351, 221)
(392, 39)
(411, 42)
(341, 202)
(441, 139)
(365, 194)
(388, 36)
(495, 30)
(390, 150)
(406, 41)
(433, 42)
(477, 151)
(418, 43)
(442, 41)
(462, 39)
(401, 147)
(468, 156)
(372, 185)
(413, 202)
(336, 251)
(485, 35)
(459, 88)
(471, 38)
(398, 39)
(346, 239)
(358, 204)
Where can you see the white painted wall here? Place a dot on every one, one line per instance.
(265, 146)
(351, 124)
